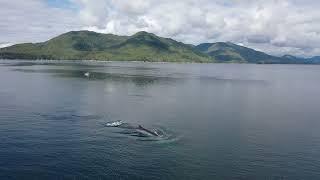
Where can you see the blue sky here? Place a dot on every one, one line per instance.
(277, 27)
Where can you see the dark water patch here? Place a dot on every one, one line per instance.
(66, 116)
(78, 64)
(137, 79)
(140, 95)
(137, 67)
(49, 64)
(208, 79)
(24, 64)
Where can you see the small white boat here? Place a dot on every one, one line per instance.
(87, 74)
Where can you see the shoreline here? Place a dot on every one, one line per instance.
(107, 61)
(149, 62)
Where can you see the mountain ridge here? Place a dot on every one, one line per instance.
(141, 46)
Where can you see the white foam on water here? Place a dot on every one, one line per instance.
(114, 124)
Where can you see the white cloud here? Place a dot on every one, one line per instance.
(33, 20)
(5, 44)
(275, 26)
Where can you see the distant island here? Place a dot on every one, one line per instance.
(142, 46)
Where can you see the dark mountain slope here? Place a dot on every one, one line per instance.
(229, 52)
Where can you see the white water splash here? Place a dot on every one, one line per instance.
(114, 124)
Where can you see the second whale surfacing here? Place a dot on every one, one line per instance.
(135, 130)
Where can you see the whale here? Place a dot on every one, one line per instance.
(138, 128)
(154, 133)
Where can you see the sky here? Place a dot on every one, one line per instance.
(277, 27)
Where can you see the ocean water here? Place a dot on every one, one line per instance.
(80, 120)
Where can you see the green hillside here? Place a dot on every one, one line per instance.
(229, 52)
(80, 45)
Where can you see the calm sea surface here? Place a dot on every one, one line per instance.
(216, 121)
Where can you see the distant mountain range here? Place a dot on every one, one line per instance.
(142, 46)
